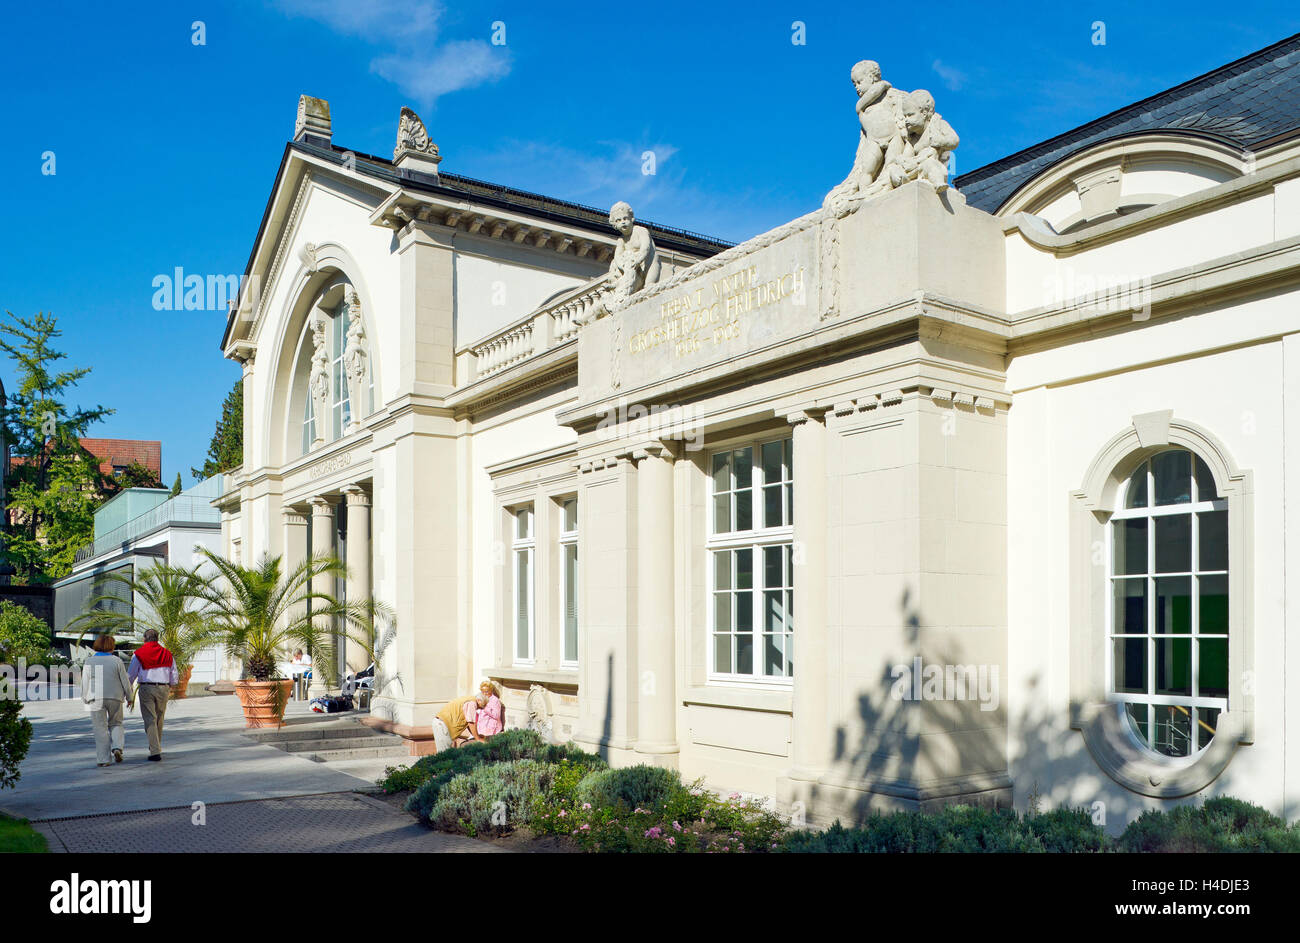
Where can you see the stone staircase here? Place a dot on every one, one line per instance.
(328, 739)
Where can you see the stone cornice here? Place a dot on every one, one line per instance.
(1032, 230)
(404, 207)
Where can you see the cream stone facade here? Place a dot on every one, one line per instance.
(938, 493)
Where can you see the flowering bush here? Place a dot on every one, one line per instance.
(691, 820)
(493, 798)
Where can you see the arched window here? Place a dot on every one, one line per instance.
(335, 346)
(1168, 616)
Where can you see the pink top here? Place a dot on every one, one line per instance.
(488, 719)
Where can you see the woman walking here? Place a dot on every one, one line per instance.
(104, 686)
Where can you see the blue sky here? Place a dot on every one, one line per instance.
(165, 151)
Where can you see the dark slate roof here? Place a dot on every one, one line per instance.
(1248, 103)
(491, 194)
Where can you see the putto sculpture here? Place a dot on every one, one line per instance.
(901, 138)
(635, 263)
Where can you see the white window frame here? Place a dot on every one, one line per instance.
(525, 546)
(1150, 512)
(755, 539)
(569, 539)
(340, 396)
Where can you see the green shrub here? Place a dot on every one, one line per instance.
(957, 829)
(15, 737)
(494, 798)
(631, 787)
(440, 769)
(518, 744)
(431, 773)
(1218, 825)
(401, 778)
(23, 635)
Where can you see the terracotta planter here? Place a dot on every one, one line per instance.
(181, 688)
(264, 701)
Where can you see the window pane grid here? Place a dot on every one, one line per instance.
(751, 617)
(1168, 613)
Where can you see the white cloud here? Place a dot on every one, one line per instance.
(374, 20)
(953, 78)
(414, 61)
(462, 63)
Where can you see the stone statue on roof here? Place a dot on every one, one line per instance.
(635, 263)
(901, 138)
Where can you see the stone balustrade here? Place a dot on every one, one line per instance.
(554, 323)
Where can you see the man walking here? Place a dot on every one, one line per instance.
(152, 666)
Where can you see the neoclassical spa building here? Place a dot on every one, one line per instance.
(937, 493)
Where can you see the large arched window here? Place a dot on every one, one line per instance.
(1168, 618)
(334, 346)
(1161, 606)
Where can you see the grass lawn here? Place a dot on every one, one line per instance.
(17, 836)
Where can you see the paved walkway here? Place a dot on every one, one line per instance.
(342, 822)
(256, 798)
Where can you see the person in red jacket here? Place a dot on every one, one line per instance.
(155, 670)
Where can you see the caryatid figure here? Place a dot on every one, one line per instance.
(319, 383)
(355, 355)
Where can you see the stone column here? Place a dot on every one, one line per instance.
(656, 629)
(811, 747)
(322, 545)
(359, 582)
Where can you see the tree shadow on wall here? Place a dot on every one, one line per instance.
(956, 751)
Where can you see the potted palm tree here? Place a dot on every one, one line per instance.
(259, 613)
(166, 598)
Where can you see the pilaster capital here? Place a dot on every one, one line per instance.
(668, 449)
(321, 506)
(294, 517)
(356, 496)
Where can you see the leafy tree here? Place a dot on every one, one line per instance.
(176, 485)
(22, 635)
(54, 483)
(134, 475)
(15, 737)
(226, 450)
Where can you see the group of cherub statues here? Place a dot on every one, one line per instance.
(902, 139)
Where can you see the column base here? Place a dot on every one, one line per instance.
(657, 754)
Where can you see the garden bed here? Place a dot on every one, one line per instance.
(526, 795)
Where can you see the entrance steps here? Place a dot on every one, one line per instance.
(326, 739)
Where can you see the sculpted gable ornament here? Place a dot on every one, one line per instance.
(413, 143)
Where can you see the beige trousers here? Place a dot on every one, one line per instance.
(153, 705)
(109, 733)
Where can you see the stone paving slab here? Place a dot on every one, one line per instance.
(205, 758)
(341, 822)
